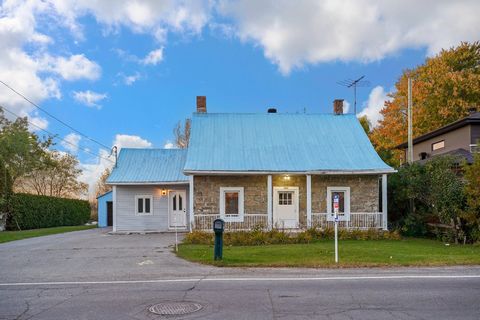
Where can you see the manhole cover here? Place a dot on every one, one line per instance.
(175, 308)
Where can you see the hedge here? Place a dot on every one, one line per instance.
(29, 211)
(260, 237)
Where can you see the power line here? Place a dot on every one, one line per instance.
(52, 116)
(56, 136)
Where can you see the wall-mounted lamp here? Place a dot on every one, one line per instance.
(286, 177)
(164, 192)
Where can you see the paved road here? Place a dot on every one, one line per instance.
(91, 275)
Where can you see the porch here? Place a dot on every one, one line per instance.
(358, 220)
(293, 202)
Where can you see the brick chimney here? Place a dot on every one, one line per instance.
(338, 106)
(201, 104)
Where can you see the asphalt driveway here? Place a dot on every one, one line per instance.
(93, 255)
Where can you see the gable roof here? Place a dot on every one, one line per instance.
(472, 118)
(280, 143)
(143, 166)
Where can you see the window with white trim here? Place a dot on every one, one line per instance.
(143, 205)
(343, 194)
(438, 145)
(231, 204)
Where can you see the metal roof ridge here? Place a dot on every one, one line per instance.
(270, 114)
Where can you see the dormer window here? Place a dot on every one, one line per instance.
(438, 145)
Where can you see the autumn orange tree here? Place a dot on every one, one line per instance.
(444, 88)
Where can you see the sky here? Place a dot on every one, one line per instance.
(125, 72)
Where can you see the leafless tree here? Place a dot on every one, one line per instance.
(182, 134)
(101, 186)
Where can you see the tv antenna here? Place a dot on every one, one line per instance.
(349, 83)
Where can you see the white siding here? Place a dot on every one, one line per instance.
(127, 220)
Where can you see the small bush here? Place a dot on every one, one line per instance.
(275, 236)
(198, 237)
(33, 212)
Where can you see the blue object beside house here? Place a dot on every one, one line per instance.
(104, 201)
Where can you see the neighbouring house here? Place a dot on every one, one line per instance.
(254, 170)
(458, 139)
(105, 210)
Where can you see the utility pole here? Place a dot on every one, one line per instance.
(409, 120)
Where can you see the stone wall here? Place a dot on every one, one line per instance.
(207, 193)
(364, 191)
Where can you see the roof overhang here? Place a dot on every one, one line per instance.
(146, 183)
(104, 194)
(450, 127)
(314, 172)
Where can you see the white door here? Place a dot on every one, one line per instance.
(285, 207)
(177, 206)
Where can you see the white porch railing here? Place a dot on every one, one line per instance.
(250, 221)
(358, 220)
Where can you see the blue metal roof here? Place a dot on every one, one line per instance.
(149, 166)
(280, 143)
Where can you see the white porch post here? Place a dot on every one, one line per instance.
(384, 202)
(269, 202)
(309, 200)
(192, 200)
(114, 209)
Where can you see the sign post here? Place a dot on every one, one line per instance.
(336, 200)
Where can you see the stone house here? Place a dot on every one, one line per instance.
(268, 170)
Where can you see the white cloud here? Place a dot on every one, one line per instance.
(70, 142)
(346, 107)
(153, 57)
(76, 67)
(89, 98)
(375, 103)
(91, 172)
(169, 145)
(141, 16)
(293, 34)
(33, 71)
(131, 79)
(37, 123)
(131, 141)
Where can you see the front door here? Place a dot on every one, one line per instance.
(109, 213)
(285, 207)
(177, 207)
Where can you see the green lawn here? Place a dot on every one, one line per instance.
(352, 253)
(6, 236)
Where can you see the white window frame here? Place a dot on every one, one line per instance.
(330, 214)
(241, 213)
(442, 142)
(143, 196)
